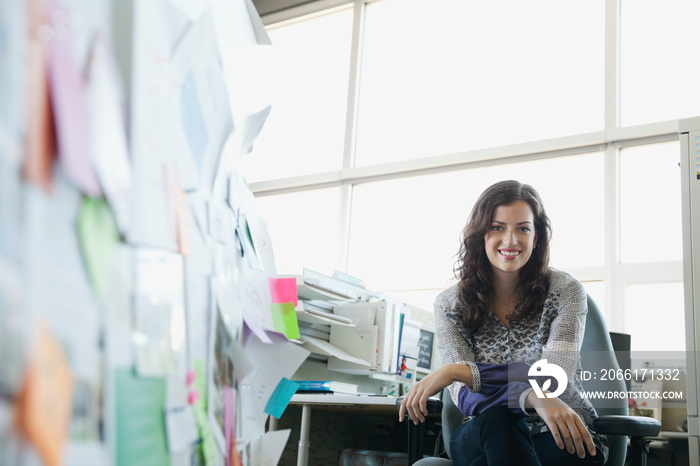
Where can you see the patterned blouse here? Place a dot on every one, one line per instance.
(556, 337)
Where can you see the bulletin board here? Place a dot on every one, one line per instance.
(141, 317)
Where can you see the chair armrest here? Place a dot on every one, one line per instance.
(633, 426)
(434, 404)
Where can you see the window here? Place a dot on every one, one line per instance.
(305, 130)
(303, 229)
(405, 233)
(650, 209)
(596, 290)
(454, 75)
(656, 70)
(644, 304)
(571, 97)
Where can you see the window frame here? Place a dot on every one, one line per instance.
(615, 275)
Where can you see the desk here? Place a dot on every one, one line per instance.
(361, 403)
(672, 441)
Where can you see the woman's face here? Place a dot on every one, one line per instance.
(511, 237)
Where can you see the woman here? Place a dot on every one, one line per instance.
(508, 311)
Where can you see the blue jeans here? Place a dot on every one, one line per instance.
(498, 437)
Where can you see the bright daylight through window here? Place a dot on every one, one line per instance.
(390, 117)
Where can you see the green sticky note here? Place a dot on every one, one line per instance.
(208, 443)
(200, 414)
(200, 379)
(99, 238)
(284, 319)
(141, 437)
(209, 448)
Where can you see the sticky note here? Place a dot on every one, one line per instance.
(280, 397)
(229, 420)
(70, 106)
(141, 436)
(45, 405)
(284, 319)
(200, 414)
(41, 144)
(98, 240)
(284, 290)
(200, 374)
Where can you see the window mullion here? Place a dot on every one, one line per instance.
(612, 65)
(344, 219)
(353, 84)
(614, 300)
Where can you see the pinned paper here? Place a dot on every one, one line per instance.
(44, 406)
(200, 373)
(255, 301)
(99, 238)
(140, 425)
(108, 142)
(284, 297)
(229, 420)
(240, 141)
(200, 414)
(181, 428)
(206, 435)
(40, 132)
(254, 326)
(272, 446)
(280, 398)
(193, 121)
(284, 290)
(263, 244)
(271, 362)
(191, 8)
(234, 458)
(70, 105)
(284, 317)
(180, 211)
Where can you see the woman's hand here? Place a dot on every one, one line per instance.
(566, 426)
(416, 400)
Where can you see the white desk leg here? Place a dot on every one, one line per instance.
(273, 424)
(303, 456)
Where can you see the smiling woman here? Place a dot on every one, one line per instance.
(507, 311)
(512, 237)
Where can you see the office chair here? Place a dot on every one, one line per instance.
(596, 353)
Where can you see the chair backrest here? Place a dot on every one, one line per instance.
(596, 354)
(451, 419)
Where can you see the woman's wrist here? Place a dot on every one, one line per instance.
(460, 373)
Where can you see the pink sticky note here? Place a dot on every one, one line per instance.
(284, 290)
(190, 377)
(70, 104)
(193, 397)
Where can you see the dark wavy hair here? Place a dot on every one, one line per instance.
(474, 271)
